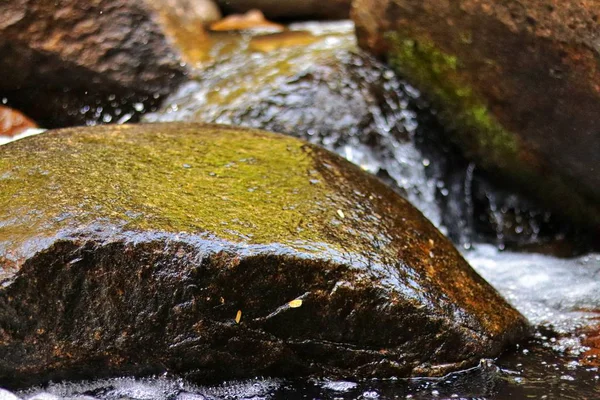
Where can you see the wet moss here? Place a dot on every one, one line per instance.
(227, 182)
(437, 72)
(476, 129)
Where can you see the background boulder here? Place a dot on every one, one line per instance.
(56, 60)
(519, 81)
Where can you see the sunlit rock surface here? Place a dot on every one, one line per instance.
(224, 253)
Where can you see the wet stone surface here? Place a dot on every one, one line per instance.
(58, 62)
(553, 364)
(517, 83)
(221, 253)
(314, 83)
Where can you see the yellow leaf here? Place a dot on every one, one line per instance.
(295, 303)
(238, 316)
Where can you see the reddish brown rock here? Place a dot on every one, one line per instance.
(253, 19)
(82, 50)
(290, 9)
(519, 81)
(13, 122)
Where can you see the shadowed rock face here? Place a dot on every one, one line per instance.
(57, 57)
(518, 80)
(179, 247)
(296, 10)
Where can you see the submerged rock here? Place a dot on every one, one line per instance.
(518, 81)
(296, 10)
(55, 59)
(224, 253)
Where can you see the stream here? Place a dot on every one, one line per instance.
(313, 83)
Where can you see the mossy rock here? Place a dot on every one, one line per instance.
(517, 82)
(223, 252)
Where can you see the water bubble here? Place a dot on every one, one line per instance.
(340, 386)
(371, 394)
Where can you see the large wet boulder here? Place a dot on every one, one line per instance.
(58, 57)
(224, 253)
(519, 81)
(295, 10)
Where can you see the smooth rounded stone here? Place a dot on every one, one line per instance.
(200, 11)
(55, 58)
(296, 10)
(518, 81)
(224, 253)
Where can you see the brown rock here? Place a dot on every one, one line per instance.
(226, 253)
(591, 339)
(296, 10)
(13, 122)
(281, 40)
(518, 80)
(82, 49)
(189, 11)
(253, 19)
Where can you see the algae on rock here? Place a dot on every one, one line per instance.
(179, 247)
(518, 88)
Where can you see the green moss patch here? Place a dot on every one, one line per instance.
(236, 184)
(438, 73)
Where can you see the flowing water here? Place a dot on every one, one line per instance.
(315, 84)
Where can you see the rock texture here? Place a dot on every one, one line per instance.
(297, 10)
(518, 80)
(55, 60)
(13, 122)
(224, 253)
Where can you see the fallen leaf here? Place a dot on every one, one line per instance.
(276, 41)
(295, 303)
